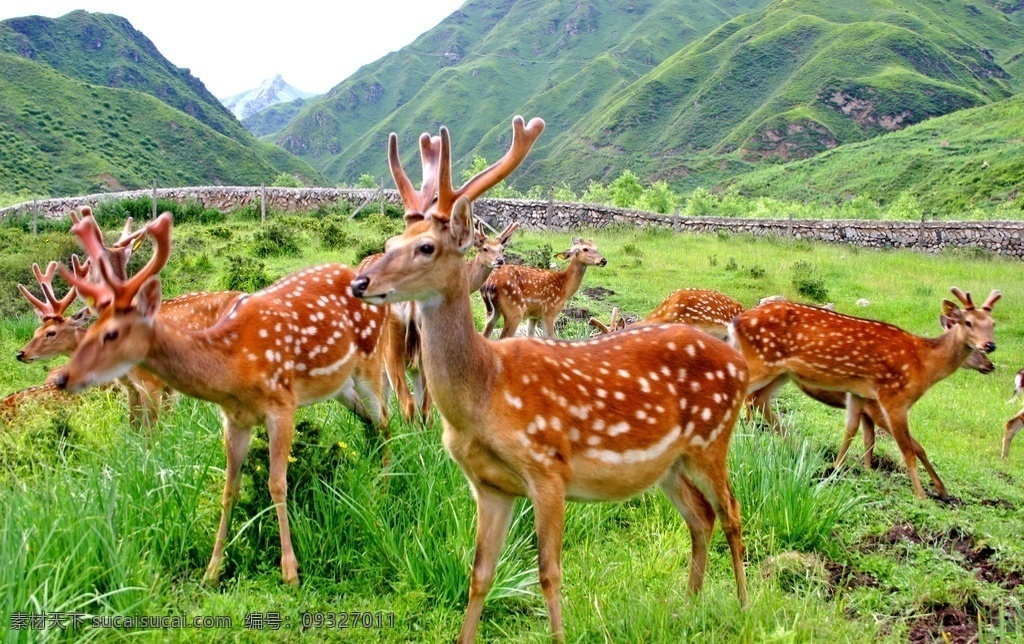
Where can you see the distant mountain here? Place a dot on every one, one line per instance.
(270, 92)
(275, 118)
(88, 103)
(690, 91)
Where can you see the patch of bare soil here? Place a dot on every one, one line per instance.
(576, 313)
(598, 292)
(841, 576)
(945, 624)
(973, 555)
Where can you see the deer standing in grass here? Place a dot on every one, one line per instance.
(517, 292)
(401, 340)
(1014, 424)
(301, 340)
(869, 360)
(594, 420)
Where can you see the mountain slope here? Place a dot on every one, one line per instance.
(488, 61)
(799, 78)
(62, 136)
(971, 158)
(106, 51)
(270, 121)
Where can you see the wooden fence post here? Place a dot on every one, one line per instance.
(675, 219)
(154, 198)
(35, 217)
(920, 233)
(263, 203)
(551, 209)
(789, 226)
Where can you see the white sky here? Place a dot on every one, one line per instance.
(233, 46)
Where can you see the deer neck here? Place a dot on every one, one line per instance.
(477, 273)
(458, 363)
(945, 354)
(572, 276)
(196, 363)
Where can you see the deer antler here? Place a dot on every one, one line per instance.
(114, 288)
(965, 298)
(52, 307)
(416, 202)
(523, 137)
(990, 300)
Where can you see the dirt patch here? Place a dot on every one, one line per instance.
(576, 313)
(946, 624)
(841, 576)
(998, 503)
(973, 555)
(598, 292)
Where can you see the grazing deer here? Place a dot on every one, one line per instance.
(401, 339)
(596, 420)
(1014, 424)
(869, 360)
(301, 340)
(517, 292)
(709, 311)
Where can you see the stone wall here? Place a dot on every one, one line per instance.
(1000, 237)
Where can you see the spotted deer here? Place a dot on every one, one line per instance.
(301, 340)
(60, 334)
(593, 420)
(1014, 424)
(517, 292)
(401, 339)
(872, 416)
(709, 311)
(867, 359)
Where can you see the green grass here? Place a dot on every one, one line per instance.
(103, 520)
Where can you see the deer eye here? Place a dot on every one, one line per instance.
(426, 248)
(110, 336)
(969, 324)
(51, 333)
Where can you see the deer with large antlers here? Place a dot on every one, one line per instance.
(595, 420)
(301, 340)
(401, 339)
(538, 295)
(868, 360)
(59, 333)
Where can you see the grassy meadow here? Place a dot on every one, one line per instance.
(102, 520)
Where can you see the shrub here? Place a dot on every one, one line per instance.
(276, 239)
(286, 180)
(245, 274)
(112, 214)
(335, 235)
(383, 225)
(626, 190)
(807, 283)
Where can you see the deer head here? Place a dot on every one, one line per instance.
(121, 336)
(58, 334)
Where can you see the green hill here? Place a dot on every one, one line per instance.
(269, 121)
(948, 165)
(799, 78)
(691, 92)
(63, 136)
(157, 120)
(493, 59)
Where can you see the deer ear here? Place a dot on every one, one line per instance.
(461, 223)
(147, 301)
(951, 314)
(562, 254)
(81, 318)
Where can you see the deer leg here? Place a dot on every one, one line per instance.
(700, 520)
(897, 422)
(761, 400)
(854, 411)
(492, 318)
(1012, 427)
(512, 321)
(494, 515)
(531, 327)
(394, 367)
(928, 466)
(549, 327)
(549, 514)
(280, 426)
(710, 476)
(237, 438)
(867, 425)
